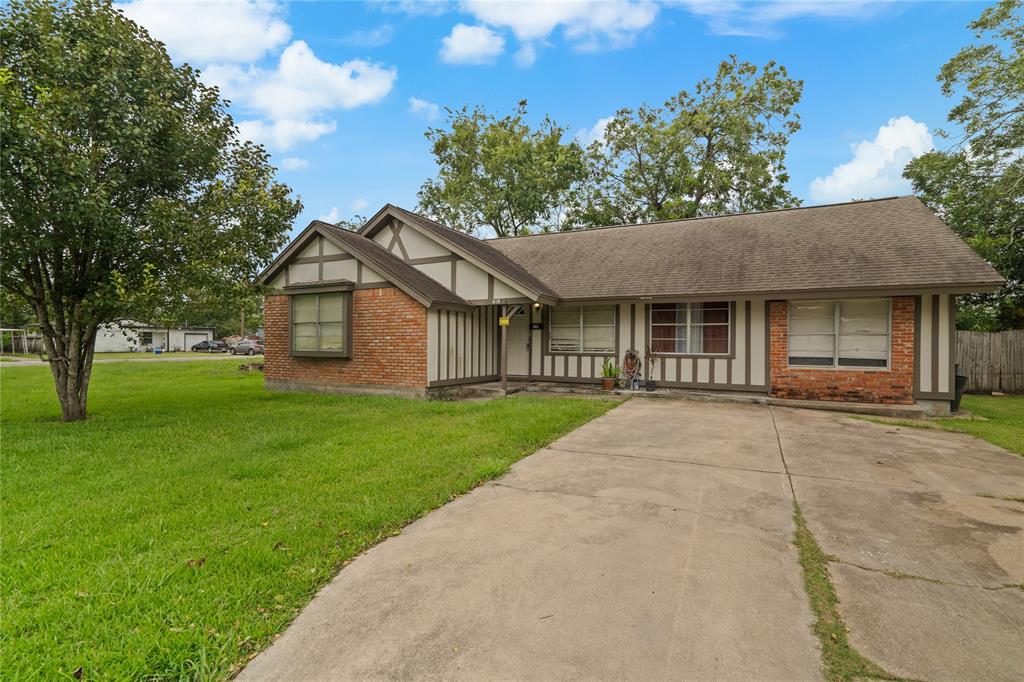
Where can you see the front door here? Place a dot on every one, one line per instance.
(518, 337)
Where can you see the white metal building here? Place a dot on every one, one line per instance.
(132, 335)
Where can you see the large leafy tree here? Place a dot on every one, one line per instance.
(123, 180)
(499, 172)
(720, 149)
(977, 183)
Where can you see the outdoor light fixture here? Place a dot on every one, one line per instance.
(536, 306)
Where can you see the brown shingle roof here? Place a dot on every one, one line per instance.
(394, 268)
(895, 243)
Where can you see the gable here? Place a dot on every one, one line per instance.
(434, 258)
(316, 259)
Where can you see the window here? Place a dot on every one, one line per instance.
(690, 328)
(320, 324)
(582, 329)
(145, 338)
(839, 333)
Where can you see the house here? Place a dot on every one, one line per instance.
(132, 335)
(846, 302)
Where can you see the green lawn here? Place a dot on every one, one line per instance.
(187, 522)
(998, 419)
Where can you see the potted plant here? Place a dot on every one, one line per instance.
(609, 374)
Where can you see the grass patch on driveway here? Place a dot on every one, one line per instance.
(179, 529)
(841, 661)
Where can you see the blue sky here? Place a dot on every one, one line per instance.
(341, 92)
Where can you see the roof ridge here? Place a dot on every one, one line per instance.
(705, 217)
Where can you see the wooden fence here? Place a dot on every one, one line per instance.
(991, 361)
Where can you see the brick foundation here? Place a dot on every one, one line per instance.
(389, 347)
(890, 386)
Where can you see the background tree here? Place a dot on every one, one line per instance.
(123, 180)
(977, 184)
(499, 172)
(719, 150)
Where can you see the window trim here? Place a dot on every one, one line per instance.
(835, 336)
(346, 315)
(731, 354)
(582, 353)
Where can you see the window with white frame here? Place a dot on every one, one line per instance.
(691, 328)
(582, 329)
(839, 333)
(320, 323)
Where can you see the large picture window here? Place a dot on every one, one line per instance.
(690, 328)
(582, 329)
(320, 323)
(839, 333)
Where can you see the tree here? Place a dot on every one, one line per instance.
(123, 180)
(499, 173)
(719, 150)
(977, 184)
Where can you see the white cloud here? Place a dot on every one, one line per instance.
(414, 7)
(292, 163)
(526, 55)
(374, 37)
(332, 216)
(204, 32)
(292, 100)
(284, 134)
(359, 204)
(587, 24)
(471, 45)
(876, 168)
(302, 84)
(422, 107)
(594, 133)
(760, 19)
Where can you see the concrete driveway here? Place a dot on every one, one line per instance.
(656, 543)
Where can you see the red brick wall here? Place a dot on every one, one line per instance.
(389, 343)
(894, 385)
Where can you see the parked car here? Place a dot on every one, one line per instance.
(210, 347)
(247, 347)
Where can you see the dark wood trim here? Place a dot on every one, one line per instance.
(331, 257)
(768, 344)
(490, 288)
(935, 343)
(438, 344)
(317, 288)
(320, 259)
(747, 349)
(951, 324)
(454, 275)
(434, 259)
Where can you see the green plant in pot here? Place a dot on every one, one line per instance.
(609, 374)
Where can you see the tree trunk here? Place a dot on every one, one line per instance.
(71, 355)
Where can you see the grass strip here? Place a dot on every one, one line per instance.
(840, 660)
